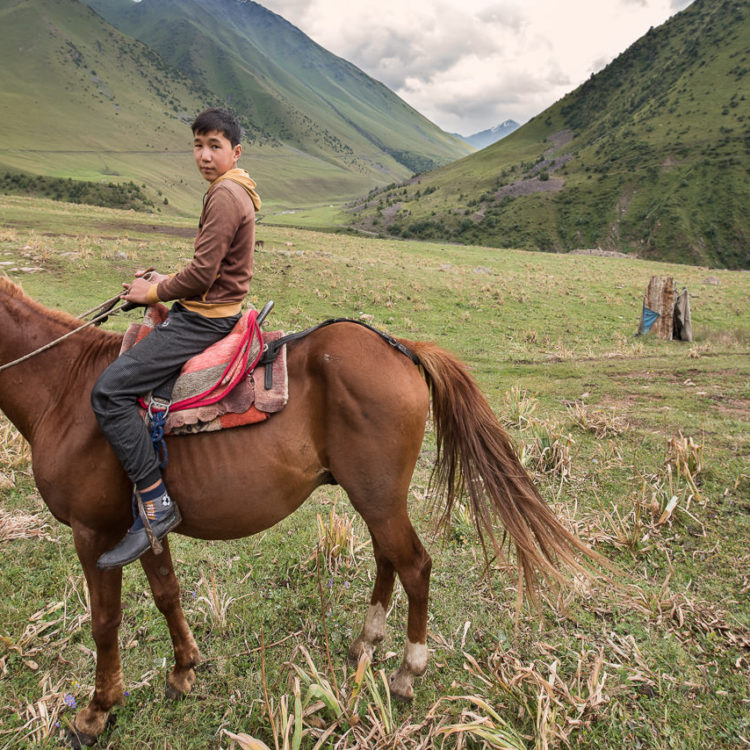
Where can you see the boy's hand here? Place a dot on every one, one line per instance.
(152, 275)
(137, 291)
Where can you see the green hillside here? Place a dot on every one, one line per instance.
(75, 97)
(88, 102)
(651, 157)
(289, 85)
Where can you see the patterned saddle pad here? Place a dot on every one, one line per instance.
(221, 387)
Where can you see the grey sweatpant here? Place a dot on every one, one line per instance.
(147, 365)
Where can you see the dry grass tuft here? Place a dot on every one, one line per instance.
(357, 715)
(549, 452)
(520, 408)
(685, 616)
(15, 454)
(43, 718)
(213, 603)
(654, 505)
(601, 423)
(338, 539)
(18, 525)
(558, 705)
(686, 456)
(487, 728)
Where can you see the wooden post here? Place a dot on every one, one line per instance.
(683, 325)
(660, 299)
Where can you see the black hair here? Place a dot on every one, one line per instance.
(220, 120)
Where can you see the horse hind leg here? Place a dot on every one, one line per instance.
(166, 592)
(413, 567)
(398, 549)
(373, 630)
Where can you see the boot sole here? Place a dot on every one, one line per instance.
(176, 521)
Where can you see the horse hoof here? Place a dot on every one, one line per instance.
(172, 692)
(354, 654)
(404, 699)
(400, 687)
(78, 739)
(359, 648)
(178, 686)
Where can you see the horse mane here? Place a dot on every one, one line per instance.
(65, 319)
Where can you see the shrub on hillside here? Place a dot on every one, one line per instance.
(108, 194)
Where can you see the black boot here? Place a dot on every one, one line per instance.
(163, 515)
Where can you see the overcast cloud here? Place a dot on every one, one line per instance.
(470, 64)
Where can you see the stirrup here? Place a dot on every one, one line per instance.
(156, 545)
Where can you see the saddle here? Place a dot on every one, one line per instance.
(260, 392)
(222, 386)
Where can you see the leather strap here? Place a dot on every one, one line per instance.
(272, 349)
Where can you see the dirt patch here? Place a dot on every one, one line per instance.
(529, 187)
(549, 165)
(389, 212)
(558, 140)
(125, 228)
(729, 405)
(151, 229)
(602, 253)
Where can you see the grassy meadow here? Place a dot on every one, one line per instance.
(640, 445)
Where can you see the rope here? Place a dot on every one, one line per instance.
(108, 304)
(156, 545)
(91, 322)
(158, 420)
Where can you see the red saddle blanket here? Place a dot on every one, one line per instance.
(221, 387)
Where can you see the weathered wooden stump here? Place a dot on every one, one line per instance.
(659, 300)
(665, 312)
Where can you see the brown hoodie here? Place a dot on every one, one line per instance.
(217, 279)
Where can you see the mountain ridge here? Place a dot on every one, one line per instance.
(487, 137)
(99, 104)
(309, 97)
(650, 156)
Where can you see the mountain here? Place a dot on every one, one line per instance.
(651, 156)
(83, 99)
(290, 90)
(487, 137)
(74, 97)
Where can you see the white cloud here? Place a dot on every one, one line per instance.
(469, 64)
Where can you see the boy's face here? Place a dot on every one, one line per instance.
(214, 154)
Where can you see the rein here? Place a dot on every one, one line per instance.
(109, 307)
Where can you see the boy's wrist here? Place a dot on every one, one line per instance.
(152, 295)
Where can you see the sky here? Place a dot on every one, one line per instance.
(468, 65)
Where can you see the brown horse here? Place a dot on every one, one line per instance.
(356, 417)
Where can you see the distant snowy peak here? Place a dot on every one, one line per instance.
(487, 137)
(503, 128)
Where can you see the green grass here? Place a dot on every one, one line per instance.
(661, 662)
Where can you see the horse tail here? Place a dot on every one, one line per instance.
(475, 457)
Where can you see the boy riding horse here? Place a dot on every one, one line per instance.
(209, 293)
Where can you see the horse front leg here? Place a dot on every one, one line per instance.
(104, 592)
(166, 591)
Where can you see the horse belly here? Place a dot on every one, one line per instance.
(238, 482)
